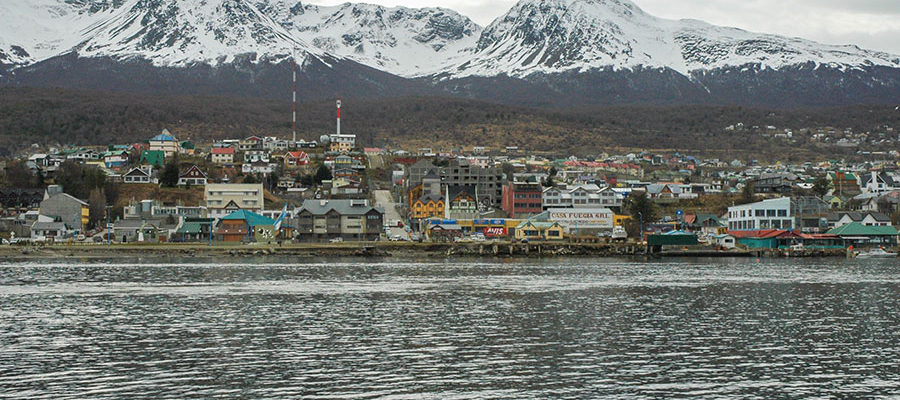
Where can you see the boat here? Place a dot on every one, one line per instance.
(876, 253)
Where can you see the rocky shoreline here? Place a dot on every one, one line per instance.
(369, 250)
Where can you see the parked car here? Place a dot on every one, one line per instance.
(337, 240)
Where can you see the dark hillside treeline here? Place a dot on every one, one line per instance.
(79, 117)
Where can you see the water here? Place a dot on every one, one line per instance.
(566, 329)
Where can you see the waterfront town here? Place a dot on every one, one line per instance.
(251, 190)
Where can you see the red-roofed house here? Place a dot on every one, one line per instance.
(296, 159)
(223, 155)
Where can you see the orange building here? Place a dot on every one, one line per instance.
(428, 206)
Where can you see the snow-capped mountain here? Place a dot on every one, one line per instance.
(542, 52)
(553, 36)
(403, 41)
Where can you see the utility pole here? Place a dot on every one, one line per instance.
(294, 129)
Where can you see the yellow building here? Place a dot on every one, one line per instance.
(533, 230)
(342, 143)
(427, 206)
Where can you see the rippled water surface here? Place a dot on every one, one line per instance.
(272, 329)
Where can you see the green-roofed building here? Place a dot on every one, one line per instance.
(153, 157)
(194, 230)
(859, 235)
(243, 225)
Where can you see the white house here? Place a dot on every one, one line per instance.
(580, 196)
(877, 182)
(837, 220)
(193, 176)
(766, 214)
(252, 156)
(258, 167)
(140, 175)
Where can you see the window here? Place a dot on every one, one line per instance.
(770, 213)
(782, 213)
(760, 213)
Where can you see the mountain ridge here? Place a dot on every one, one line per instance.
(541, 52)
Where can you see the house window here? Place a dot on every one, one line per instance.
(782, 213)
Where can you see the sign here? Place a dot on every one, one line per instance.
(495, 232)
(489, 222)
(586, 218)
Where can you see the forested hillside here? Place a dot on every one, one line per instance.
(70, 117)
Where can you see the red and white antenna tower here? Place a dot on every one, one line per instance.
(339, 116)
(294, 129)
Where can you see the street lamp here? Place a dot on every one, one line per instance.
(108, 237)
(642, 226)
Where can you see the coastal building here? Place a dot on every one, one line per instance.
(64, 208)
(461, 202)
(321, 220)
(581, 196)
(522, 198)
(222, 199)
(427, 206)
(488, 181)
(839, 219)
(766, 214)
(243, 226)
(861, 236)
(48, 230)
(535, 230)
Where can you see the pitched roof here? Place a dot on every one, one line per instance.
(70, 197)
(223, 150)
(165, 136)
(252, 218)
(343, 207)
(456, 190)
(762, 234)
(857, 216)
(153, 157)
(858, 229)
(193, 167)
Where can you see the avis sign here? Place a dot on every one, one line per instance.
(497, 231)
(587, 218)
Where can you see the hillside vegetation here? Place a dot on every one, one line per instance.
(75, 117)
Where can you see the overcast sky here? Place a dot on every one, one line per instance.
(872, 24)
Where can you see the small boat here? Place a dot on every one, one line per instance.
(876, 253)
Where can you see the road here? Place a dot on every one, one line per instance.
(384, 199)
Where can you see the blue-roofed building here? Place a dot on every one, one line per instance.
(165, 142)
